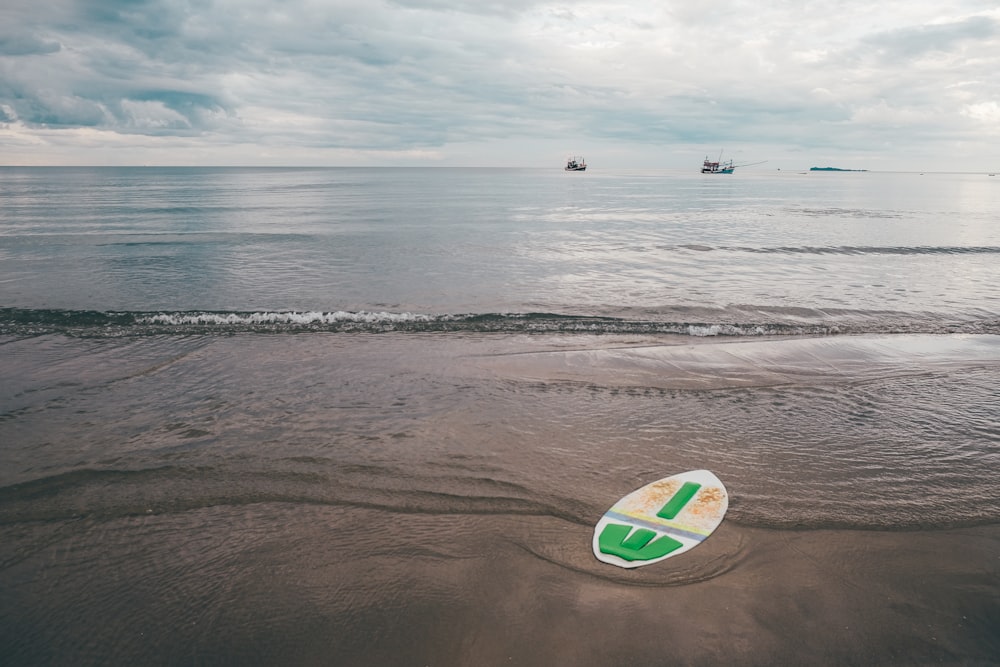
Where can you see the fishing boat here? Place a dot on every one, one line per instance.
(717, 167)
(576, 163)
(720, 167)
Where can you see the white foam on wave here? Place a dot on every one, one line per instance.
(288, 317)
(707, 330)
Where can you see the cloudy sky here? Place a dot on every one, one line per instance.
(900, 85)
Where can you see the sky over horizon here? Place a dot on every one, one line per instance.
(912, 86)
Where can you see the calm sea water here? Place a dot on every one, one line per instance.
(370, 416)
(816, 252)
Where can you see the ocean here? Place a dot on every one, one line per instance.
(370, 416)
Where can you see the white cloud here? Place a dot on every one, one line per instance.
(987, 113)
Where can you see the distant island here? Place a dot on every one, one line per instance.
(833, 169)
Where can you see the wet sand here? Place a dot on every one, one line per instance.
(273, 584)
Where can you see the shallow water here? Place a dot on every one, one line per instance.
(855, 432)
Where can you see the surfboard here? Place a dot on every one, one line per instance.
(662, 519)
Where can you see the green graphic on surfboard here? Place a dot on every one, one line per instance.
(660, 520)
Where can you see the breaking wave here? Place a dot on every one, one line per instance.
(716, 322)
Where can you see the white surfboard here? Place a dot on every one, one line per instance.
(661, 520)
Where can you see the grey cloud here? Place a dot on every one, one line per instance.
(121, 67)
(916, 41)
(352, 62)
(51, 109)
(26, 45)
(482, 7)
(103, 103)
(139, 19)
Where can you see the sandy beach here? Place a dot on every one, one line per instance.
(351, 586)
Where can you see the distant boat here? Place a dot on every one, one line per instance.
(717, 167)
(720, 167)
(576, 163)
